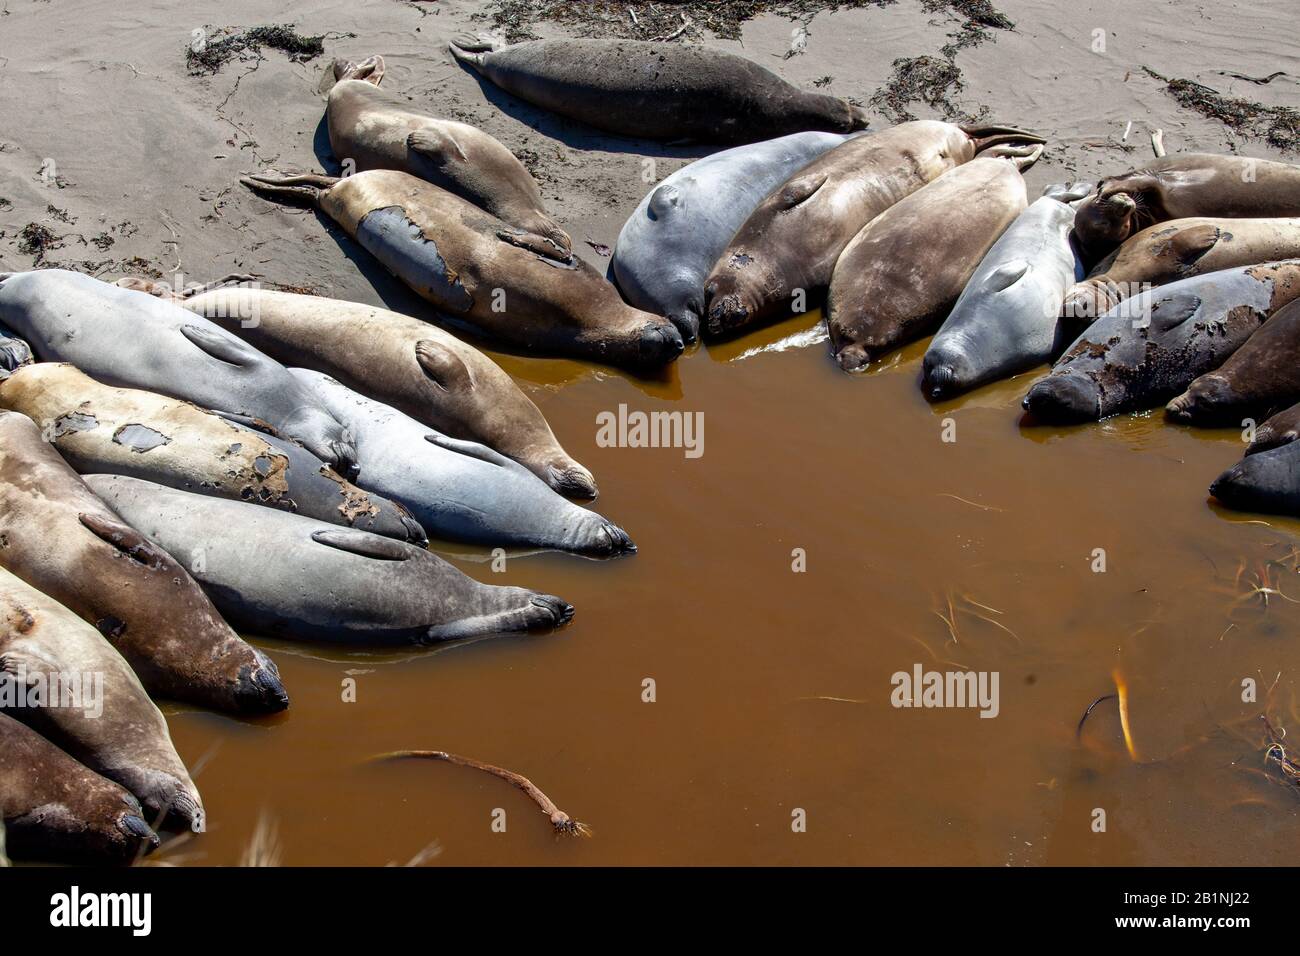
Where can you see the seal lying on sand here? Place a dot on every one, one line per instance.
(1177, 187)
(1008, 317)
(57, 811)
(888, 289)
(459, 490)
(123, 337)
(670, 243)
(416, 367)
(663, 91)
(1267, 482)
(64, 541)
(112, 727)
(1261, 377)
(126, 431)
(792, 240)
(1179, 249)
(316, 581)
(1153, 345)
(14, 352)
(474, 269)
(377, 130)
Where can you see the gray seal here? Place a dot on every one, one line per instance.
(663, 91)
(124, 736)
(1007, 319)
(135, 340)
(670, 242)
(460, 490)
(1150, 347)
(288, 576)
(57, 811)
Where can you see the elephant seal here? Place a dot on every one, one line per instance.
(319, 582)
(57, 811)
(887, 289)
(1008, 316)
(416, 367)
(1182, 186)
(1281, 429)
(669, 244)
(126, 431)
(14, 353)
(461, 490)
(127, 338)
(111, 725)
(1150, 347)
(1179, 249)
(59, 538)
(1261, 377)
(792, 240)
(471, 266)
(377, 130)
(1267, 482)
(662, 91)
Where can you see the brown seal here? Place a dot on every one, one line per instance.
(1261, 377)
(790, 243)
(479, 272)
(102, 716)
(889, 289)
(56, 810)
(1175, 250)
(379, 130)
(60, 538)
(401, 361)
(1180, 187)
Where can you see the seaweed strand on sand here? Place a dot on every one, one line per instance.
(210, 55)
(1279, 126)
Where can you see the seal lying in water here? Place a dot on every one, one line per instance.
(1261, 377)
(1282, 429)
(663, 91)
(416, 367)
(1008, 316)
(888, 289)
(1151, 347)
(64, 541)
(1266, 482)
(792, 240)
(114, 728)
(127, 431)
(1179, 249)
(316, 581)
(126, 338)
(461, 490)
(669, 244)
(377, 130)
(57, 811)
(474, 269)
(1182, 186)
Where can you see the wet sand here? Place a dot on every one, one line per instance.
(895, 522)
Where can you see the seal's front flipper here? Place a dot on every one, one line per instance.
(127, 540)
(305, 190)
(471, 449)
(1189, 244)
(443, 366)
(1006, 275)
(221, 347)
(542, 246)
(363, 543)
(436, 146)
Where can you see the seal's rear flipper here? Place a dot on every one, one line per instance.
(298, 190)
(473, 49)
(985, 136)
(1069, 193)
(370, 70)
(1022, 156)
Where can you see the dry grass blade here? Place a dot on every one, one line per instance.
(264, 848)
(560, 820)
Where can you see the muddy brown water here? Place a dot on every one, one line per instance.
(747, 655)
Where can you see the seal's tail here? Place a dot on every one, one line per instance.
(305, 190)
(986, 136)
(473, 50)
(371, 70)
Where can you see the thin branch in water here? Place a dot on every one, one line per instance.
(560, 820)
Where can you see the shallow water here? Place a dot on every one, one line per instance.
(773, 687)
